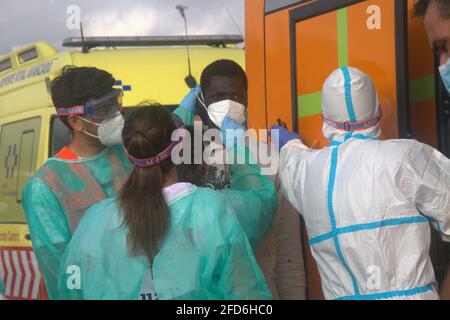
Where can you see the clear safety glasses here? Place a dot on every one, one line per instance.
(97, 109)
(106, 107)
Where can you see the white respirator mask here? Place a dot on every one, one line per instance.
(226, 108)
(109, 130)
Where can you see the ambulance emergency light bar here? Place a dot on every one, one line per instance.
(152, 41)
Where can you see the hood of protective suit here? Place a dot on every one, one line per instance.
(350, 100)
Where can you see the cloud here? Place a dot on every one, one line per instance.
(137, 21)
(149, 19)
(26, 21)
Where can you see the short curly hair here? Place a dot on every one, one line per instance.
(421, 7)
(225, 68)
(76, 85)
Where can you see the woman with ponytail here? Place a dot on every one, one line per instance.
(162, 238)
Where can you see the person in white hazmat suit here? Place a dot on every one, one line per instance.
(367, 204)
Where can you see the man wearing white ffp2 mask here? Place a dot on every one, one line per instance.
(226, 108)
(82, 173)
(109, 130)
(223, 94)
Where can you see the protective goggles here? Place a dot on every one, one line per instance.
(97, 109)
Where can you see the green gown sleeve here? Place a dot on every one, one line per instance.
(252, 196)
(49, 230)
(229, 270)
(240, 275)
(186, 116)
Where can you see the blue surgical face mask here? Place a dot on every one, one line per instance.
(445, 74)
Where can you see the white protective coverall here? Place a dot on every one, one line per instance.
(367, 204)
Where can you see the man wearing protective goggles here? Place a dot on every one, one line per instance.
(105, 114)
(90, 168)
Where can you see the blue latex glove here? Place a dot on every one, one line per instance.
(284, 136)
(190, 100)
(188, 106)
(232, 132)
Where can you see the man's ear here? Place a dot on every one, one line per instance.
(75, 123)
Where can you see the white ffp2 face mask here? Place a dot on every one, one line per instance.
(109, 131)
(226, 108)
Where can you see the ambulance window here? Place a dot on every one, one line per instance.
(28, 55)
(19, 143)
(5, 65)
(25, 162)
(60, 136)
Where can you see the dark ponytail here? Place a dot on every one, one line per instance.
(146, 133)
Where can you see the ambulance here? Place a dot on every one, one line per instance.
(293, 45)
(145, 68)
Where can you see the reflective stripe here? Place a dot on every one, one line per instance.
(331, 182)
(9, 273)
(37, 279)
(389, 294)
(18, 271)
(348, 94)
(368, 226)
(26, 286)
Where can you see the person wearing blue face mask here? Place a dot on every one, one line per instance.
(436, 14)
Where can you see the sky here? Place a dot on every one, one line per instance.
(26, 21)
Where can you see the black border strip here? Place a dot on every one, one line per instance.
(294, 99)
(296, 15)
(442, 112)
(268, 12)
(402, 75)
(438, 100)
(402, 70)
